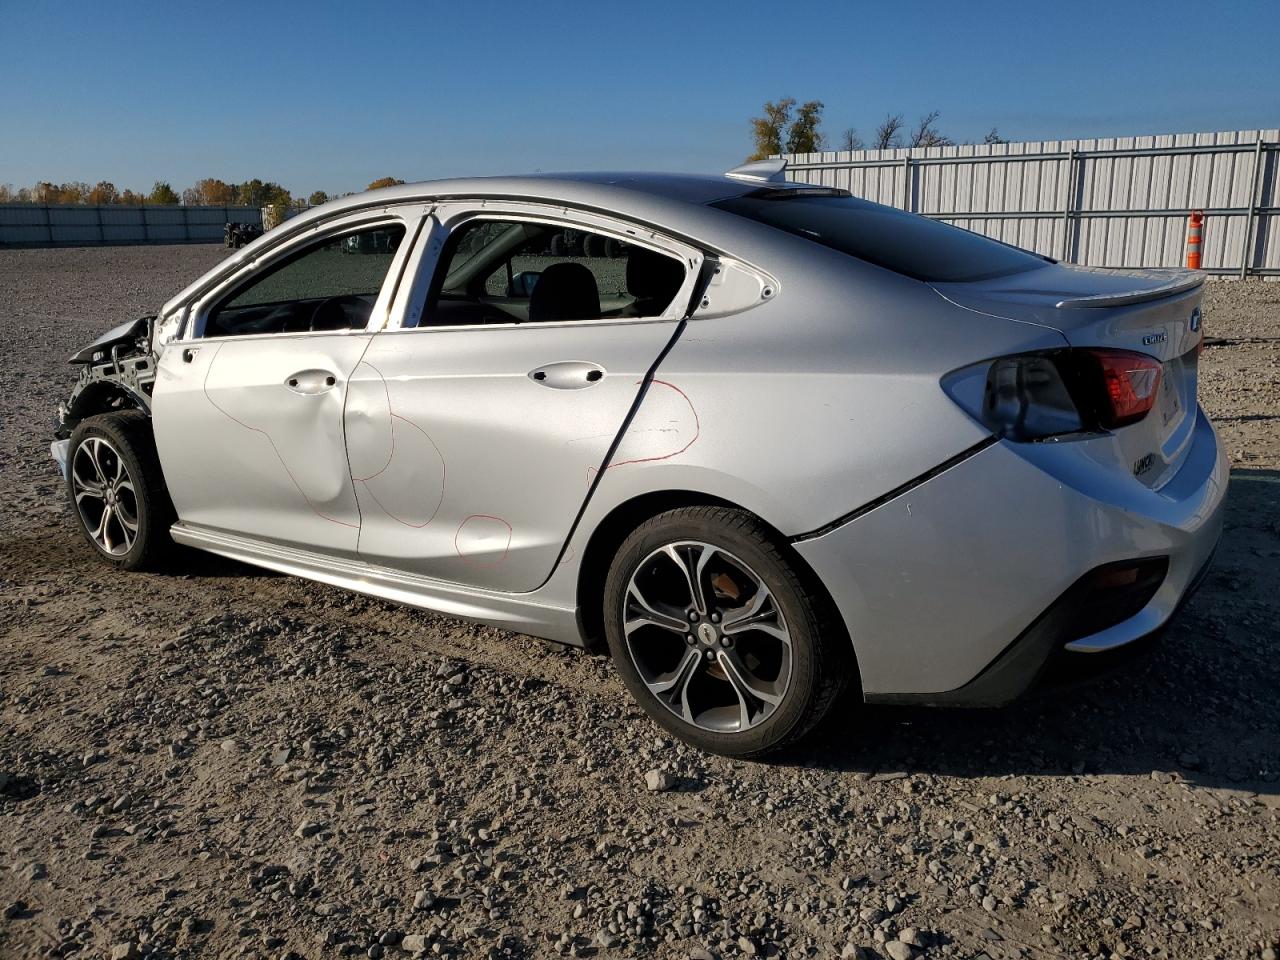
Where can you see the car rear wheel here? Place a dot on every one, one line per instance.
(719, 635)
(117, 491)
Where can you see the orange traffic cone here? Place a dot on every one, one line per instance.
(1195, 235)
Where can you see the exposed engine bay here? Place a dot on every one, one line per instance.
(119, 370)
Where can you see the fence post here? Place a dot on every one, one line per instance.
(1066, 203)
(102, 234)
(48, 223)
(906, 183)
(1246, 251)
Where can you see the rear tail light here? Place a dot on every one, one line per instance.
(1038, 396)
(1026, 398)
(1129, 382)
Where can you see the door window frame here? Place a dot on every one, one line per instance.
(449, 217)
(410, 217)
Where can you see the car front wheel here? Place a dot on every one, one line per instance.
(719, 635)
(116, 489)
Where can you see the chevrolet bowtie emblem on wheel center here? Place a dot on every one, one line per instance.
(707, 634)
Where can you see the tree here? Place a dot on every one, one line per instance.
(129, 198)
(849, 140)
(45, 192)
(804, 135)
(7, 193)
(317, 197)
(768, 131)
(278, 196)
(993, 136)
(73, 192)
(210, 192)
(104, 192)
(252, 193)
(162, 193)
(383, 182)
(926, 133)
(888, 135)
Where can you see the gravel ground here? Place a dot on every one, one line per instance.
(221, 762)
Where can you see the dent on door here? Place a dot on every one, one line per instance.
(394, 461)
(294, 437)
(246, 451)
(470, 468)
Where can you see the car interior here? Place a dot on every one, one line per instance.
(328, 287)
(492, 272)
(501, 272)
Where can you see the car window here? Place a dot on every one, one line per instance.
(331, 285)
(508, 271)
(903, 242)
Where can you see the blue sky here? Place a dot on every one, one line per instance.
(329, 96)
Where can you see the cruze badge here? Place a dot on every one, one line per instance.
(1151, 338)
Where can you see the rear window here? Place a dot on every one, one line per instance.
(906, 243)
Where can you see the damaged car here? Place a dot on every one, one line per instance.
(765, 441)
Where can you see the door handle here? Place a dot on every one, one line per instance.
(567, 374)
(311, 382)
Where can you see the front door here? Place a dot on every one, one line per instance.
(475, 436)
(248, 411)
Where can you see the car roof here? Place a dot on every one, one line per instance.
(672, 201)
(621, 191)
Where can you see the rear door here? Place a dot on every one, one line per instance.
(477, 421)
(248, 406)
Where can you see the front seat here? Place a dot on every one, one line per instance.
(652, 280)
(565, 291)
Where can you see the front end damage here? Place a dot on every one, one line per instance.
(118, 372)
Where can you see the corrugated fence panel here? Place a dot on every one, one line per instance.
(25, 224)
(1116, 201)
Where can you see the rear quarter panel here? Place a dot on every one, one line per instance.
(816, 401)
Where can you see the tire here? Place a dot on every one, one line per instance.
(803, 678)
(124, 451)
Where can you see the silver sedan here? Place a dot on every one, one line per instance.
(767, 441)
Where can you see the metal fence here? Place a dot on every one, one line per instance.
(73, 225)
(1117, 202)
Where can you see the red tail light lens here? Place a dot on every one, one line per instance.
(1130, 382)
(1048, 396)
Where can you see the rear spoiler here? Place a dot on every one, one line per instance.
(1180, 282)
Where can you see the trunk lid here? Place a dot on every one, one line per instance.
(1155, 312)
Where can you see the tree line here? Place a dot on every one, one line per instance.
(207, 192)
(788, 128)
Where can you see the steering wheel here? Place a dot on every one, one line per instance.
(330, 313)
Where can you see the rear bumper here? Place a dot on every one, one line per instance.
(965, 588)
(1044, 654)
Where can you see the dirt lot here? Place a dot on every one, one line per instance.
(220, 762)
